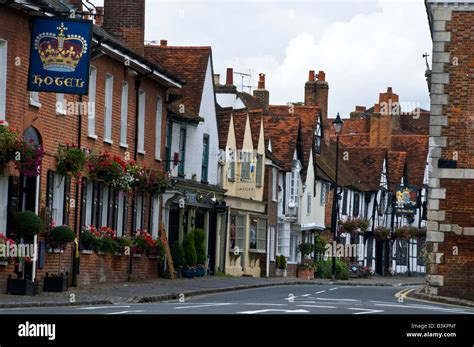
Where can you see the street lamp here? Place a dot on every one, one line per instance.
(337, 124)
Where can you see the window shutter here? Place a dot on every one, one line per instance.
(111, 208)
(143, 210)
(67, 199)
(13, 200)
(125, 215)
(50, 196)
(134, 214)
(83, 202)
(116, 211)
(150, 215)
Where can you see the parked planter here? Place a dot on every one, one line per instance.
(20, 287)
(305, 273)
(188, 273)
(281, 273)
(55, 283)
(199, 272)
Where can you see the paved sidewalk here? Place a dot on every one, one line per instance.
(165, 289)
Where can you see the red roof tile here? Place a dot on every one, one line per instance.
(189, 64)
(416, 147)
(223, 126)
(240, 122)
(366, 163)
(396, 165)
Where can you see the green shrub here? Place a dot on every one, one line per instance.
(200, 246)
(61, 235)
(280, 262)
(190, 257)
(121, 243)
(320, 245)
(305, 249)
(27, 223)
(177, 253)
(324, 269)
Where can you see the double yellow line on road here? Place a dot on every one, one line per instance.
(404, 295)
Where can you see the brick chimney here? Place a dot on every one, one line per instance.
(125, 20)
(163, 43)
(229, 77)
(358, 113)
(380, 128)
(99, 18)
(261, 94)
(316, 92)
(389, 105)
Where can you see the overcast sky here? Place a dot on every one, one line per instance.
(362, 45)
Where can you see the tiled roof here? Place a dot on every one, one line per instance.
(283, 132)
(416, 147)
(366, 163)
(396, 164)
(250, 101)
(240, 122)
(189, 64)
(255, 124)
(223, 125)
(417, 124)
(354, 140)
(325, 164)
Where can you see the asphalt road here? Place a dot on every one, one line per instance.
(292, 299)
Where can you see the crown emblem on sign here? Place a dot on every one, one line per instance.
(60, 52)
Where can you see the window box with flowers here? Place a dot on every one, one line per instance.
(353, 226)
(142, 241)
(70, 160)
(403, 233)
(8, 141)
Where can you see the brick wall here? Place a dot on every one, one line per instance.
(450, 236)
(60, 129)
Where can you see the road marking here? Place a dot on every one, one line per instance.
(100, 307)
(407, 291)
(263, 304)
(124, 312)
(274, 310)
(336, 299)
(308, 302)
(321, 291)
(319, 306)
(365, 310)
(333, 288)
(197, 306)
(421, 307)
(306, 295)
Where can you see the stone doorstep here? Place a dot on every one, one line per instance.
(442, 299)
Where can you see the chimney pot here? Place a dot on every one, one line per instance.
(389, 89)
(321, 76)
(230, 76)
(311, 75)
(261, 81)
(217, 79)
(164, 43)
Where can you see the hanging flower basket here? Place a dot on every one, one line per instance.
(105, 167)
(8, 140)
(70, 160)
(152, 181)
(28, 157)
(353, 226)
(403, 233)
(128, 180)
(381, 233)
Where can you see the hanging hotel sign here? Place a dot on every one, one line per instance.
(406, 200)
(60, 55)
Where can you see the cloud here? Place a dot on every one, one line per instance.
(361, 57)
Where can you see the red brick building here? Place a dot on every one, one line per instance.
(125, 117)
(451, 195)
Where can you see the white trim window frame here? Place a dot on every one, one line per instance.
(3, 78)
(61, 104)
(158, 127)
(34, 99)
(141, 121)
(91, 102)
(109, 93)
(124, 115)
